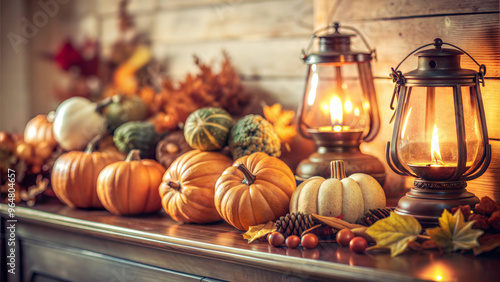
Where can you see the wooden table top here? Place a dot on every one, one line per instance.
(223, 242)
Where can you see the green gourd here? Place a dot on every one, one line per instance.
(124, 109)
(207, 129)
(251, 134)
(137, 135)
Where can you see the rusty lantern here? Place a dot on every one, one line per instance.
(339, 109)
(440, 134)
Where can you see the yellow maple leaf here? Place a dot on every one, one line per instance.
(282, 121)
(453, 233)
(285, 118)
(272, 113)
(394, 232)
(257, 231)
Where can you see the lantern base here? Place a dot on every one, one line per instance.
(427, 200)
(318, 164)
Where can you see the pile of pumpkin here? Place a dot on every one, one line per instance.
(196, 180)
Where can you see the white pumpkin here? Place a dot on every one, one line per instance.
(77, 121)
(351, 196)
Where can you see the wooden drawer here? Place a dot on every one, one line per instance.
(51, 262)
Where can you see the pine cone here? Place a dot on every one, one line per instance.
(294, 223)
(373, 215)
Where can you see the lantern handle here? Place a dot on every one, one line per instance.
(397, 75)
(337, 26)
(373, 51)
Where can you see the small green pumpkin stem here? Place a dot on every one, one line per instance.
(134, 155)
(92, 146)
(174, 185)
(249, 177)
(101, 105)
(338, 169)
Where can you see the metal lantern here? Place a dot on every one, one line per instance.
(339, 109)
(440, 134)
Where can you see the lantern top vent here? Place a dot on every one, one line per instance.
(335, 47)
(438, 67)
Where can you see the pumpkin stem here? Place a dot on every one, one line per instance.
(338, 169)
(249, 177)
(103, 104)
(174, 185)
(134, 155)
(92, 146)
(172, 148)
(50, 116)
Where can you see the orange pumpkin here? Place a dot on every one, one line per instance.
(255, 190)
(187, 190)
(74, 177)
(130, 187)
(39, 129)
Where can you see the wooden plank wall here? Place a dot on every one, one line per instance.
(263, 38)
(396, 28)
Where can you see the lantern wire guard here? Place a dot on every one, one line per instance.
(336, 57)
(439, 186)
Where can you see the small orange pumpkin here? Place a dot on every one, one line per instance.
(187, 190)
(255, 190)
(39, 129)
(74, 176)
(130, 187)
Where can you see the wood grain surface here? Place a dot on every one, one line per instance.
(158, 241)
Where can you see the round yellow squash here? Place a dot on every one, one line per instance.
(351, 196)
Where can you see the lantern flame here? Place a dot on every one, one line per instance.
(336, 111)
(435, 152)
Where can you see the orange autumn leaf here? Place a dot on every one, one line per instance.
(282, 121)
(272, 113)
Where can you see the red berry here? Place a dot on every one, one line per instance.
(275, 239)
(358, 245)
(344, 236)
(309, 241)
(292, 241)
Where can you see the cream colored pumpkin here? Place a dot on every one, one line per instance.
(351, 196)
(77, 121)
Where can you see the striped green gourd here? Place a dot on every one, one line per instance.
(207, 129)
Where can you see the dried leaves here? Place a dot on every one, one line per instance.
(453, 233)
(336, 222)
(395, 232)
(487, 243)
(258, 231)
(174, 103)
(31, 194)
